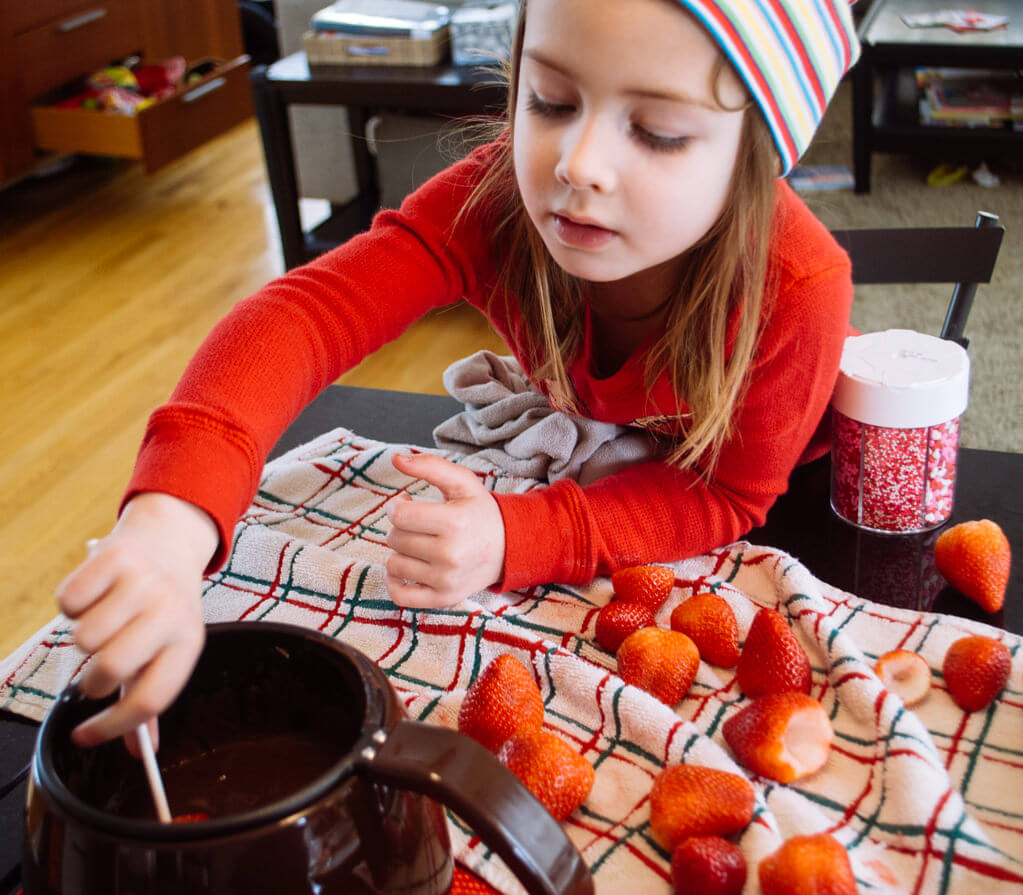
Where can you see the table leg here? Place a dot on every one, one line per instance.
(365, 164)
(275, 130)
(863, 110)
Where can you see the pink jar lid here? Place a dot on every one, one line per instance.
(902, 379)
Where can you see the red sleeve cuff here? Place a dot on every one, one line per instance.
(202, 460)
(546, 537)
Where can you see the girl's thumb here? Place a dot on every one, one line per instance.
(452, 480)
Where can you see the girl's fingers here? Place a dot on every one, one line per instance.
(412, 595)
(104, 618)
(453, 481)
(420, 516)
(412, 544)
(411, 569)
(154, 690)
(126, 653)
(86, 584)
(131, 738)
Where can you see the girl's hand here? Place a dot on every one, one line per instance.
(135, 599)
(443, 552)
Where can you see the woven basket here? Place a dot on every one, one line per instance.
(340, 49)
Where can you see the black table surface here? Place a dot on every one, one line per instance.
(439, 88)
(893, 569)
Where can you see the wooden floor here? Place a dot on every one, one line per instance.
(108, 282)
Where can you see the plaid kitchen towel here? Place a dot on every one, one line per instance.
(925, 800)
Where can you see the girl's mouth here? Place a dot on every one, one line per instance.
(581, 236)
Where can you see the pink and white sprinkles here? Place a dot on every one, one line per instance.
(889, 479)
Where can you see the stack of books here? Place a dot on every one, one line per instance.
(965, 97)
(813, 178)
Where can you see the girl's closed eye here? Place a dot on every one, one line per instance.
(540, 106)
(650, 137)
(661, 142)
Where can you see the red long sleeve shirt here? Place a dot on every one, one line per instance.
(276, 350)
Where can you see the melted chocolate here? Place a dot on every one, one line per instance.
(256, 723)
(230, 778)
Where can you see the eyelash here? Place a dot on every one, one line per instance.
(555, 110)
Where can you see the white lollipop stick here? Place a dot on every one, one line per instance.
(153, 773)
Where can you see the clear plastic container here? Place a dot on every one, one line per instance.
(895, 430)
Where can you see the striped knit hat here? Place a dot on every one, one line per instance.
(791, 54)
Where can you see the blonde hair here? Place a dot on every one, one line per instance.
(725, 274)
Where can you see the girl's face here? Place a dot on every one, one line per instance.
(622, 156)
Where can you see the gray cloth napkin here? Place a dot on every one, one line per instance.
(507, 422)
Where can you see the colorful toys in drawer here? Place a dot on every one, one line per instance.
(127, 90)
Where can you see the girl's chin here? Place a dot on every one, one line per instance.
(592, 266)
(586, 269)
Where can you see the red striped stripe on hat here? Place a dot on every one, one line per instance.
(791, 54)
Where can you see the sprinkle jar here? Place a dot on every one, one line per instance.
(895, 430)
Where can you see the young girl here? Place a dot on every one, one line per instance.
(629, 237)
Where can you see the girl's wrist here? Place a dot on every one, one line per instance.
(190, 526)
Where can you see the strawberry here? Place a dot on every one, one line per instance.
(772, 660)
(688, 800)
(808, 865)
(974, 557)
(550, 769)
(617, 620)
(906, 674)
(193, 817)
(503, 700)
(710, 623)
(783, 736)
(664, 663)
(975, 669)
(649, 585)
(708, 865)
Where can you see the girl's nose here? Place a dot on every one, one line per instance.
(585, 162)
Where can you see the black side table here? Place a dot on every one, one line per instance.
(891, 50)
(443, 90)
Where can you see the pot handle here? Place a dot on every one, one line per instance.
(459, 773)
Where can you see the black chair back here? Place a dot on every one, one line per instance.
(965, 256)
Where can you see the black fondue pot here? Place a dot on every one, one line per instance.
(314, 781)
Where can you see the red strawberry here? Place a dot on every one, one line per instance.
(975, 669)
(664, 663)
(710, 622)
(808, 865)
(193, 817)
(783, 736)
(550, 769)
(772, 660)
(906, 674)
(687, 800)
(617, 620)
(975, 557)
(503, 700)
(649, 585)
(708, 865)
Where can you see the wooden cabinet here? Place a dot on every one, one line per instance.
(61, 50)
(46, 43)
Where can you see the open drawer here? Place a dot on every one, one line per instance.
(160, 133)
